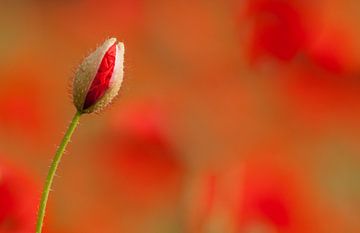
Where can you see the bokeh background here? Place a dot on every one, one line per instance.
(234, 116)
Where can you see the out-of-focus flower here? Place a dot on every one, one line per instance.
(274, 196)
(141, 166)
(284, 30)
(142, 155)
(99, 77)
(331, 49)
(18, 200)
(279, 30)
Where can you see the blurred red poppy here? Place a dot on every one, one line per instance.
(141, 154)
(273, 196)
(18, 200)
(279, 30)
(285, 29)
(331, 49)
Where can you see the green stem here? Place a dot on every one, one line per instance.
(52, 170)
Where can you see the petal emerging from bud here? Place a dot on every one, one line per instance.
(99, 77)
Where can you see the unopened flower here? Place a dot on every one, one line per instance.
(99, 77)
(97, 81)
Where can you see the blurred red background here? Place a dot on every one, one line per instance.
(234, 116)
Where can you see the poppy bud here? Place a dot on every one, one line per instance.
(99, 77)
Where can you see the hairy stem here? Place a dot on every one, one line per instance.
(52, 170)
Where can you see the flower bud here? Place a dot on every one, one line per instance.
(99, 77)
